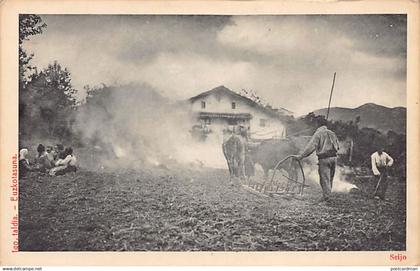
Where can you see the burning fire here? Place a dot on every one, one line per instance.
(339, 184)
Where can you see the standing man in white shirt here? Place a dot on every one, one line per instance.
(381, 161)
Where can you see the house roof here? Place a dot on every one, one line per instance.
(226, 91)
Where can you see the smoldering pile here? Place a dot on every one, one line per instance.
(342, 178)
(133, 126)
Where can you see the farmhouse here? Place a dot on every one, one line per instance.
(221, 108)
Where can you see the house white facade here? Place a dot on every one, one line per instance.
(221, 108)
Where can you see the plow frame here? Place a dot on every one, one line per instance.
(263, 189)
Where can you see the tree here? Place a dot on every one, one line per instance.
(48, 103)
(59, 82)
(29, 25)
(47, 99)
(357, 121)
(253, 95)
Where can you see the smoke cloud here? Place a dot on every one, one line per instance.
(340, 183)
(133, 125)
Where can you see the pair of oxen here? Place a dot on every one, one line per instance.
(242, 155)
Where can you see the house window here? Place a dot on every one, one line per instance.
(232, 122)
(203, 104)
(263, 122)
(233, 105)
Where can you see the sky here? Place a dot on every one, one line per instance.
(289, 60)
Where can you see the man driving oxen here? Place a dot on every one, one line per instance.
(235, 149)
(241, 157)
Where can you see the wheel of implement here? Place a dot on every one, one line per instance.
(288, 183)
(280, 182)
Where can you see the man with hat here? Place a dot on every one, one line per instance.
(325, 143)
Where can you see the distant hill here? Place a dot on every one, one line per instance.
(371, 115)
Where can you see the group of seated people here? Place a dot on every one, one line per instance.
(53, 161)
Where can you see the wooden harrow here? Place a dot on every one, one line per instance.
(275, 186)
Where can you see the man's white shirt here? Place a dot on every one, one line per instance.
(380, 160)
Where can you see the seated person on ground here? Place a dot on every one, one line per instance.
(40, 149)
(59, 152)
(50, 154)
(24, 167)
(43, 161)
(63, 166)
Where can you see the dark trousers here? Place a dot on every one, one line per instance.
(381, 182)
(66, 170)
(326, 170)
(249, 166)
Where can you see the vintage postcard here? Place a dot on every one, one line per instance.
(209, 133)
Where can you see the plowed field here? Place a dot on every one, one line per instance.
(198, 210)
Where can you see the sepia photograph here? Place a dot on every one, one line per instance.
(212, 132)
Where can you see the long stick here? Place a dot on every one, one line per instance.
(329, 102)
(377, 185)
